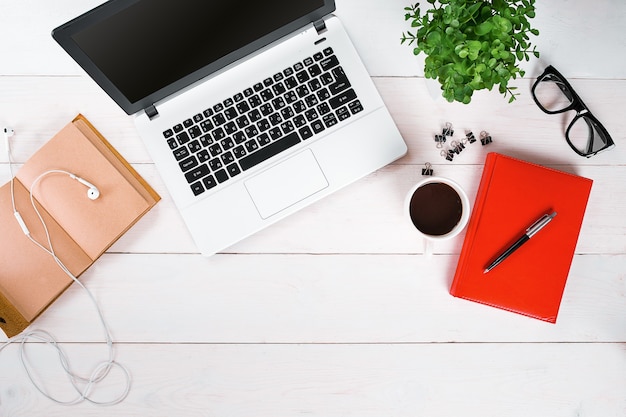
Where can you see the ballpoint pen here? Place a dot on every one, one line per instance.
(530, 232)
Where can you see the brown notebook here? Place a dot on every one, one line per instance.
(80, 229)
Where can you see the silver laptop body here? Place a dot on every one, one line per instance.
(266, 134)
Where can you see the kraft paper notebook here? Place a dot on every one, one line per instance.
(81, 229)
(511, 196)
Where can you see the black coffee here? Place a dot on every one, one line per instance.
(435, 208)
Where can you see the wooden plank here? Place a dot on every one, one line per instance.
(443, 380)
(321, 299)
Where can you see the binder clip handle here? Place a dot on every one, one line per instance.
(485, 138)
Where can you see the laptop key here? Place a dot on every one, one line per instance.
(221, 175)
(181, 153)
(215, 164)
(209, 182)
(203, 156)
(343, 113)
(291, 82)
(275, 133)
(197, 188)
(219, 119)
(264, 139)
(172, 143)
(233, 169)
(355, 107)
(230, 113)
(228, 158)
(187, 164)
(215, 149)
(341, 84)
(239, 151)
(330, 120)
(305, 132)
(317, 126)
(328, 63)
(195, 131)
(251, 145)
(194, 146)
(197, 173)
(268, 151)
(342, 98)
(239, 137)
(183, 138)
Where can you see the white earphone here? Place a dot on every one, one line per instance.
(8, 132)
(82, 385)
(92, 191)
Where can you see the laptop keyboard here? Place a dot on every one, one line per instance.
(263, 120)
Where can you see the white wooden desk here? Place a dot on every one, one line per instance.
(335, 311)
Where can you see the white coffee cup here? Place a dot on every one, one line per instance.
(437, 209)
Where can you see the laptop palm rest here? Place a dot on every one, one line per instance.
(286, 183)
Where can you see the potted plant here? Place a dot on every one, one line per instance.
(472, 44)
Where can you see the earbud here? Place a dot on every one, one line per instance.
(8, 132)
(92, 192)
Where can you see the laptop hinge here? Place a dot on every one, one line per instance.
(320, 26)
(151, 112)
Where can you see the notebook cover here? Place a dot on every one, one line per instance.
(81, 229)
(511, 196)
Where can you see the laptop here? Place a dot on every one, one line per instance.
(250, 110)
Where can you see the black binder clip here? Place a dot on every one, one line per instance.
(440, 139)
(447, 130)
(469, 136)
(456, 147)
(485, 138)
(449, 154)
(428, 169)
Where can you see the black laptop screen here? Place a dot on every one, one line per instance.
(148, 45)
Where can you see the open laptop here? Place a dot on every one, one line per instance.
(251, 109)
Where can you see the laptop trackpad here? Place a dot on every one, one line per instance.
(287, 183)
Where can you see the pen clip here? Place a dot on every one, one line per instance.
(539, 224)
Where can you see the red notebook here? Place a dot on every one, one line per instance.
(511, 196)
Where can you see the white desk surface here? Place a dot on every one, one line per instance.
(335, 311)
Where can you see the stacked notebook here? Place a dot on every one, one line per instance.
(512, 195)
(81, 229)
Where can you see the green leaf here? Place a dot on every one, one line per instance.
(483, 29)
(434, 37)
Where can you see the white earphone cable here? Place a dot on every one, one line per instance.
(102, 370)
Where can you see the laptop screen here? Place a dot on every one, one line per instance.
(140, 51)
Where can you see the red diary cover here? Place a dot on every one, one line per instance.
(511, 196)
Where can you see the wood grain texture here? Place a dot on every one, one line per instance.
(335, 310)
